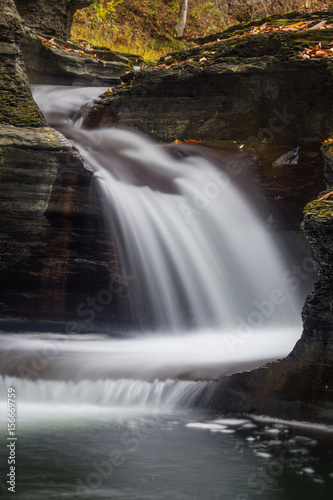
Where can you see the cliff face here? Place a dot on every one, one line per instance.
(53, 251)
(253, 88)
(51, 59)
(54, 18)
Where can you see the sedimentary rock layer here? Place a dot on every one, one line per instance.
(256, 89)
(52, 17)
(53, 251)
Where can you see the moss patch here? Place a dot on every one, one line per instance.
(320, 208)
(20, 110)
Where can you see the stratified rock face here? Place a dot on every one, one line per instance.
(57, 61)
(299, 387)
(54, 253)
(16, 104)
(60, 63)
(51, 17)
(256, 89)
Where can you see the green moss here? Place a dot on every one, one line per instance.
(280, 45)
(320, 208)
(328, 149)
(20, 109)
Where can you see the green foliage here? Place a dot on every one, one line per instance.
(106, 11)
(147, 27)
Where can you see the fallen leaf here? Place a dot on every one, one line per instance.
(177, 141)
(319, 26)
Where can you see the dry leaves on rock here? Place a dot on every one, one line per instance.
(267, 28)
(86, 47)
(317, 52)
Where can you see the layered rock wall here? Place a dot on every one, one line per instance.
(51, 59)
(51, 17)
(54, 251)
(255, 89)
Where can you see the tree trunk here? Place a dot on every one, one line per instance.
(182, 18)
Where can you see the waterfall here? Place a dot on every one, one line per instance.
(209, 291)
(196, 253)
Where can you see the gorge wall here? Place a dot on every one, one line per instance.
(53, 18)
(54, 251)
(253, 88)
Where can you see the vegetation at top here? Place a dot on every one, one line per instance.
(148, 27)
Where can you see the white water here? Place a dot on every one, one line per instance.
(120, 393)
(204, 277)
(196, 260)
(196, 252)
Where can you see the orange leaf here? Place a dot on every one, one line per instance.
(177, 141)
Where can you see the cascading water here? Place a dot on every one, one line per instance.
(197, 253)
(204, 277)
(210, 294)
